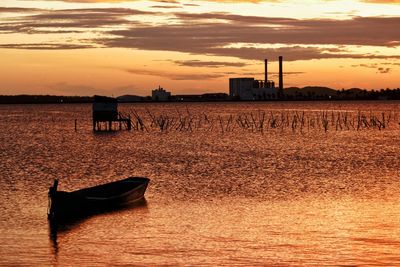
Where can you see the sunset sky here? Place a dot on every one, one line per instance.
(116, 47)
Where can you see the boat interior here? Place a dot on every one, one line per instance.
(114, 188)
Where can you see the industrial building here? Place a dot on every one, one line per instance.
(252, 89)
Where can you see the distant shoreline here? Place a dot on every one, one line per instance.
(310, 93)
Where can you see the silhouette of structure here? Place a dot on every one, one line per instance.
(105, 113)
(280, 92)
(251, 89)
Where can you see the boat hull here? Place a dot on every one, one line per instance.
(97, 199)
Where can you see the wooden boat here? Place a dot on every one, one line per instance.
(93, 199)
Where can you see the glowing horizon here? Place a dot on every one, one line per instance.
(86, 47)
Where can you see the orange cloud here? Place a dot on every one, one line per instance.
(382, 1)
(166, 1)
(220, 1)
(173, 75)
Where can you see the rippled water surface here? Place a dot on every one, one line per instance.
(240, 197)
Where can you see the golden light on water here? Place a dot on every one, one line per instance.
(241, 197)
(121, 44)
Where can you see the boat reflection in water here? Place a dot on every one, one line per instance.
(62, 230)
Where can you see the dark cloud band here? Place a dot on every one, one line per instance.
(206, 33)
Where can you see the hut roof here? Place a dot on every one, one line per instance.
(104, 99)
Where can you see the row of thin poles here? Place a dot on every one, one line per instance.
(262, 121)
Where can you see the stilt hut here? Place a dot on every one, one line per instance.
(105, 114)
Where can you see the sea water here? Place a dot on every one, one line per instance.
(280, 196)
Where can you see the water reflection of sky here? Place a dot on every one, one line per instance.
(242, 198)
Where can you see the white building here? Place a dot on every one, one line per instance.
(160, 94)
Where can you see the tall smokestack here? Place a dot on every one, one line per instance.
(280, 75)
(266, 72)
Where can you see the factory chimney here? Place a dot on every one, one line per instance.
(280, 76)
(266, 72)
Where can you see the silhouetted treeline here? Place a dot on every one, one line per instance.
(210, 97)
(325, 93)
